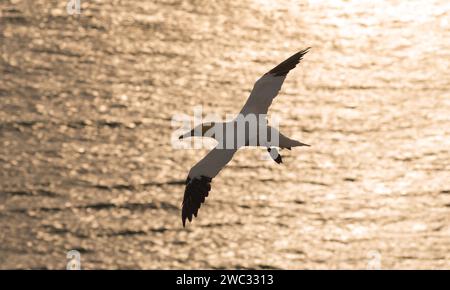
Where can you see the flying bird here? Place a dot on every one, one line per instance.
(198, 182)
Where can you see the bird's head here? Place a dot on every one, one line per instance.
(199, 131)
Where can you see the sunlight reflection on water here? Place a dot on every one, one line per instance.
(85, 121)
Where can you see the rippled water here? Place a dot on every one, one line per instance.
(85, 127)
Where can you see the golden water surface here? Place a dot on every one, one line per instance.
(86, 161)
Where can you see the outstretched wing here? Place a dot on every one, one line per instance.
(268, 86)
(198, 183)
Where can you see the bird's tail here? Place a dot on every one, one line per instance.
(294, 143)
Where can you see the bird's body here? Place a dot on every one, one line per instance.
(246, 132)
(249, 128)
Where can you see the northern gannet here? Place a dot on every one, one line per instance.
(198, 182)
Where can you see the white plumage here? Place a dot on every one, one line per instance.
(264, 91)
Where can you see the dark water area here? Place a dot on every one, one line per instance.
(86, 161)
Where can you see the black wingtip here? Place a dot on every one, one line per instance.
(301, 53)
(283, 68)
(195, 194)
(279, 160)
